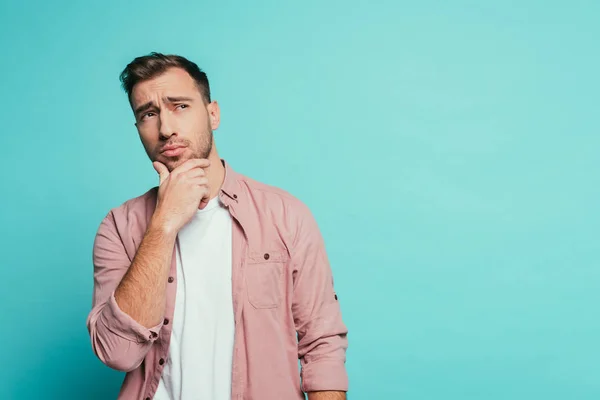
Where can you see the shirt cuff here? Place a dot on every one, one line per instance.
(324, 375)
(123, 325)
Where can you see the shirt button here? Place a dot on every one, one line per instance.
(153, 335)
(171, 279)
(335, 296)
(235, 196)
(166, 321)
(161, 361)
(267, 256)
(148, 398)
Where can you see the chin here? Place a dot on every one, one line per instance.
(173, 163)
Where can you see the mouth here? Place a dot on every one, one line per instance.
(172, 151)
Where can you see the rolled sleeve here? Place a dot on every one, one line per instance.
(325, 375)
(322, 335)
(120, 323)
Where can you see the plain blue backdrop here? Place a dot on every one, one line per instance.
(448, 150)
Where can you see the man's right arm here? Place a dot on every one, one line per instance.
(142, 291)
(129, 296)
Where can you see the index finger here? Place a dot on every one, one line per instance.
(194, 163)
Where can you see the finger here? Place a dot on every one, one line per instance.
(196, 173)
(193, 163)
(204, 201)
(163, 172)
(203, 182)
(200, 181)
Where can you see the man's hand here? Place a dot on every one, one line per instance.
(181, 193)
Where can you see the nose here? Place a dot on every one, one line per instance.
(167, 125)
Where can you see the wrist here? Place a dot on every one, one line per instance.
(162, 226)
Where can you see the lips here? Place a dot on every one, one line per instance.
(172, 150)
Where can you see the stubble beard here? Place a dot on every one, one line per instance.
(202, 151)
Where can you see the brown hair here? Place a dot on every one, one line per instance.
(150, 66)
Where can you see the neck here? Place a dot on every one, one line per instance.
(215, 173)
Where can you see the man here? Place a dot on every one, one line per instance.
(211, 285)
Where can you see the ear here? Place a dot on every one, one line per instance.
(214, 114)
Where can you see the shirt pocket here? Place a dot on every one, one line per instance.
(264, 280)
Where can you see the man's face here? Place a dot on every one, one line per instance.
(172, 119)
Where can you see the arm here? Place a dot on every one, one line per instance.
(142, 291)
(327, 396)
(130, 295)
(322, 340)
(118, 340)
(122, 333)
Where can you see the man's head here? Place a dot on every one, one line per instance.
(170, 98)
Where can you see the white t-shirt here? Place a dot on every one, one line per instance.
(201, 348)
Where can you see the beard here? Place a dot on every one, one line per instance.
(200, 149)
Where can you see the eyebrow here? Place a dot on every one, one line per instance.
(177, 99)
(144, 107)
(168, 99)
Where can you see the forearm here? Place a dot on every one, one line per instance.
(327, 395)
(141, 294)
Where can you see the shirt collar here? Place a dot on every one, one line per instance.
(230, 187)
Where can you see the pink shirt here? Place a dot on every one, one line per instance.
(282, 287)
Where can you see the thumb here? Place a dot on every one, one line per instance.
(163, 172)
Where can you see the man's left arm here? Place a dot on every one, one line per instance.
(327, 396)
(322, 335)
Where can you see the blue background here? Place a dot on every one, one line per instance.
(448, 150)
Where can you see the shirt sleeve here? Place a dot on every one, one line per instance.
(322, 335)
(117, 339)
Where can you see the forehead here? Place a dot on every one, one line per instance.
(172, 83)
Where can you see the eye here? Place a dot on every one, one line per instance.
(147, 115)
(182, 106)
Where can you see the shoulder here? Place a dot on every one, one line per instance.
(134, 211)
(272, 204)
(273, 197)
